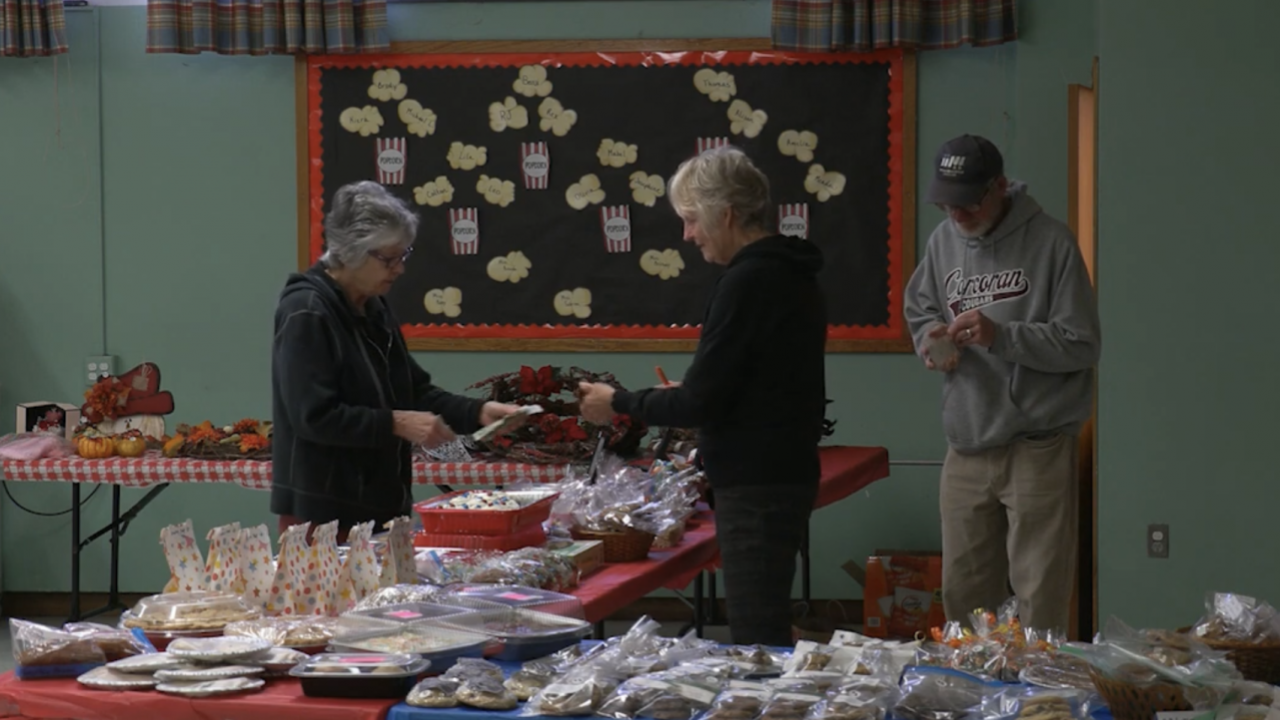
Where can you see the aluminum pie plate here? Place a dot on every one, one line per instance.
(145, 664)
(212, 672)
(211, 687)
(218, 649)
(280, 660)
(104, 678)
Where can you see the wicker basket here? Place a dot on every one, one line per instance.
(1138, 702)
(619, 547)
(1256, 661)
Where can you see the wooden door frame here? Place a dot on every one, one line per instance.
(1084, 99)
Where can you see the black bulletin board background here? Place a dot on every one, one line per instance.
(658, 108)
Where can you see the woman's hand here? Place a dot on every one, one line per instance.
(421, 428)
(595, 402)
(492, 412)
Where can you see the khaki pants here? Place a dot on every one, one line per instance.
(1009, 517)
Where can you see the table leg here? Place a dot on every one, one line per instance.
(699, 608)
(713, 616)
(804, 567)
(113, 594)
(75, 553)
(118, 527)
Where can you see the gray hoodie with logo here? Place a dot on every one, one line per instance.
(1029, 278)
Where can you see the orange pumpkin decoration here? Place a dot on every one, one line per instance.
(131, 444)
(94, 448)
(173, 445)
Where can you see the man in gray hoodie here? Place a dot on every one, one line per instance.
(1002, 304)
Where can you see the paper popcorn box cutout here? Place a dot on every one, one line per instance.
(49, 417)
(793, 220)
(186, 564)
(320, 578)
(256, 565)
(284, 586)
(222, 568)
(359, 575)
(615, 221)
(464, 231)
(705, 144)
(535, 165)
(392, 158)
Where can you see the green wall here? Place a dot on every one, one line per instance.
(1188, 261)
(195, 171)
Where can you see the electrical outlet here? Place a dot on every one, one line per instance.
(97, 366)
(1158, 541)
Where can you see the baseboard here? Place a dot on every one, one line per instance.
(662, 609)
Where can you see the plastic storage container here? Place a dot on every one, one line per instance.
(186, 614)
(514, 596)
(409, 612)
(522, 634)
(440, 645)
(535, 508)
(360, 675)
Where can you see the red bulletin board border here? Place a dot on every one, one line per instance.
(892, 337)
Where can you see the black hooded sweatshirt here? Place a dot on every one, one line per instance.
(336, 376)
(756, 389)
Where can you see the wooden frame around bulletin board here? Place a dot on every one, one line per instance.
(906, 191)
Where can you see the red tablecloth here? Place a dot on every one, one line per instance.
(617, 585)
(846, 470)
(280, 698)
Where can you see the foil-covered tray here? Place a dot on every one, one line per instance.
(211, 687)
(104, 678)
(218, 649)
(146, 664)
(198, 673)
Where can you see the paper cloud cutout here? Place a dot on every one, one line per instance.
(387, 86)
(512, 267)
(555, 118)
(825, 184)
(664, 264)
(498, 192)
(646, 189)
(508, 114)
(575, 302)
(466, 157)
(719, 86)
(435, 193)
(616, 154)
(420, 121)
(446, 301)
(366, 120)
(586, 191)
(532, 82)
(799, 145)
(745, 121)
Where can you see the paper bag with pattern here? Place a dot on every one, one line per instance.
(222, 567)
(186, 565)
(360, 571)
(320, 578)
(289, 566)
(256, 565)
(398, 566)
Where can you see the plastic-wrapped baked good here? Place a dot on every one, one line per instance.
(435, 692)
(467, 669)
(789, 706)
(739, 701)
(486, 693)
(843, 707)
(663, 696)
(577, 693)
(297, 632)
(399, 594)
(188, 611)
(37, 645)
(525, 683)
(115, 643)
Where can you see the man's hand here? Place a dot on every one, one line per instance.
(492, 412)
(421, 428)
(595, 402)
(972, 328)
(939, 338)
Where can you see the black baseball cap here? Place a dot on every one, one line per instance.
(963, 170)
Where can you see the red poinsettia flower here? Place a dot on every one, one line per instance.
(538, 382)
(572, 430)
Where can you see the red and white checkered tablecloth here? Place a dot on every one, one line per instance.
(155, 469)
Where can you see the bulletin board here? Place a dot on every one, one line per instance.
(540, 180)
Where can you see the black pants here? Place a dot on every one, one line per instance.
(760, 529)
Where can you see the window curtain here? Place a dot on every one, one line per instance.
(30, 28)
(267, 27)
(868, 25)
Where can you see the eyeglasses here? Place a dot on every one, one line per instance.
(393, 261)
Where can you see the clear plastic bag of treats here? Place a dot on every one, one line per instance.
(790, 705)
(674, 695)
(435, 692)
(484, 691)
(399, 595)
(1023, 703)
(579, 692)
(931, 693)
(468, 669)
(36, 645)
(115, 643)
(740, 700)
(530, 679)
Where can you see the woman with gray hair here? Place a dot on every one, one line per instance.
(755, 389)
(348, 400)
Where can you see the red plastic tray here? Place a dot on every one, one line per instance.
(528, 537)
(480, 522)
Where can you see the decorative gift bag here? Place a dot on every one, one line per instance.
(293, 555)
(360, 571)
(256, 565)
(222, 568)
(398, 567)
(186, 565)
(320, 578)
